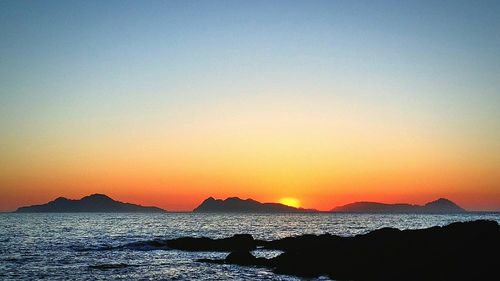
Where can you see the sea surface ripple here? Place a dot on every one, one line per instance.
(100, 246)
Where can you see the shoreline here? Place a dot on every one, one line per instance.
(459, 251)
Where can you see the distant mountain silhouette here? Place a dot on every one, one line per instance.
(441, 205)
(92, 203)
(237, 205)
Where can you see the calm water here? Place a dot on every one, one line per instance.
(71, 246)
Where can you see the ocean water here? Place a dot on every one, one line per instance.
(88, 246)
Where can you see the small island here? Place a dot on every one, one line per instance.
(103, 203)
(440, 206)
(94, 203)
(237, 205)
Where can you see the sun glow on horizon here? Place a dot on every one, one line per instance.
(290, 201)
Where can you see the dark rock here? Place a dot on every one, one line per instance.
(241, 258)
(458, 251)
(218, 261)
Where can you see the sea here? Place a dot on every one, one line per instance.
(104, 246)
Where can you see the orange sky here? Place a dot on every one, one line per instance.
(324, 158)
(329, 102)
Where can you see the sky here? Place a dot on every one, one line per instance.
(324, 102)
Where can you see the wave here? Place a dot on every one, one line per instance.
(148, 245)
(79, 248)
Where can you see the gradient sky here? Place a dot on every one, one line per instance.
(168, 102)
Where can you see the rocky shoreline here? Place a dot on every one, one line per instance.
(458, 251)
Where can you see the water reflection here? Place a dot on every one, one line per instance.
(70, 246)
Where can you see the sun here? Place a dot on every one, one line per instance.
(290, 201)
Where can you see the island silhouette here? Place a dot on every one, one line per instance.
(441, 205)
(103, 203)
(237, 205)
(92, 203)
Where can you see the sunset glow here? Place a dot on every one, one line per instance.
(289, 201)
(169, 103)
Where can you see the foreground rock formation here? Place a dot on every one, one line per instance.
(459, 251)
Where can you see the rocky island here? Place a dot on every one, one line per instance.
(237, 205)
(440, 206)
(92, 204)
